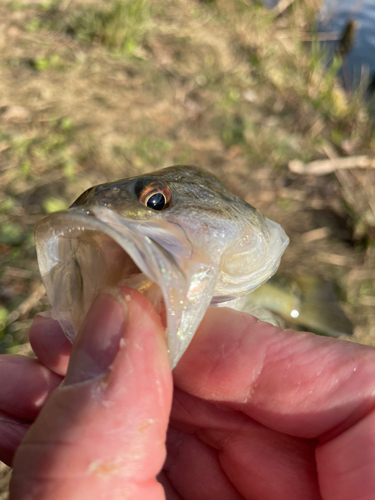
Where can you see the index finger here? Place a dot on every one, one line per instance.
(294, 382)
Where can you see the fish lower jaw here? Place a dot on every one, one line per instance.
(78, 265)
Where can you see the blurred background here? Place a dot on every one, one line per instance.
(96, 90)
(93, 91)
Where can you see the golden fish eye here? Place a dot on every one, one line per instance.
(155, 196)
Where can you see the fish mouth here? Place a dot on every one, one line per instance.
(82, 251)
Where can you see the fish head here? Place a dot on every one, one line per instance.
(177, 235)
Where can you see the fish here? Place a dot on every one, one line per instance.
(307, 301)
(177, 235)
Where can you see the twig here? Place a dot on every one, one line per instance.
(333, 36)
(281, 7)
(26, 305)
(330, 258)
(360, 275)
(367, 301)
(323, 167)
(315, 234)
(14, 272)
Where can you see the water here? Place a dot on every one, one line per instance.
(334, 16)
(360, 62)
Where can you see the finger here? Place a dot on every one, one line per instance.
(294, 382)
(12, 431)
(346, 462)
(169, 490)
(297, 383)
(26, 386)
(103, 432)
(49, 344)
(194, 469)
(248, 453)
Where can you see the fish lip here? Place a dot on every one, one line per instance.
(63, 224)
(142, 241)
(116, 227)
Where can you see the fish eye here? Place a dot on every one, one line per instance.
(156, 196)
(156, 201)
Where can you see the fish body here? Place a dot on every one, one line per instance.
(177, 235)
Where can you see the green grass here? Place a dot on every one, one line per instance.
(11, 234)
(121, 27)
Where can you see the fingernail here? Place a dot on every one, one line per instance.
(99, 338)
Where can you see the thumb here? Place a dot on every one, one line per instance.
(102, 433)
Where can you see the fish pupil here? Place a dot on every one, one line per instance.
(156, 201)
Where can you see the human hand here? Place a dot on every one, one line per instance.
(257, 413)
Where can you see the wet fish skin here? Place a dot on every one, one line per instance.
(202, 245)
(197, 196)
